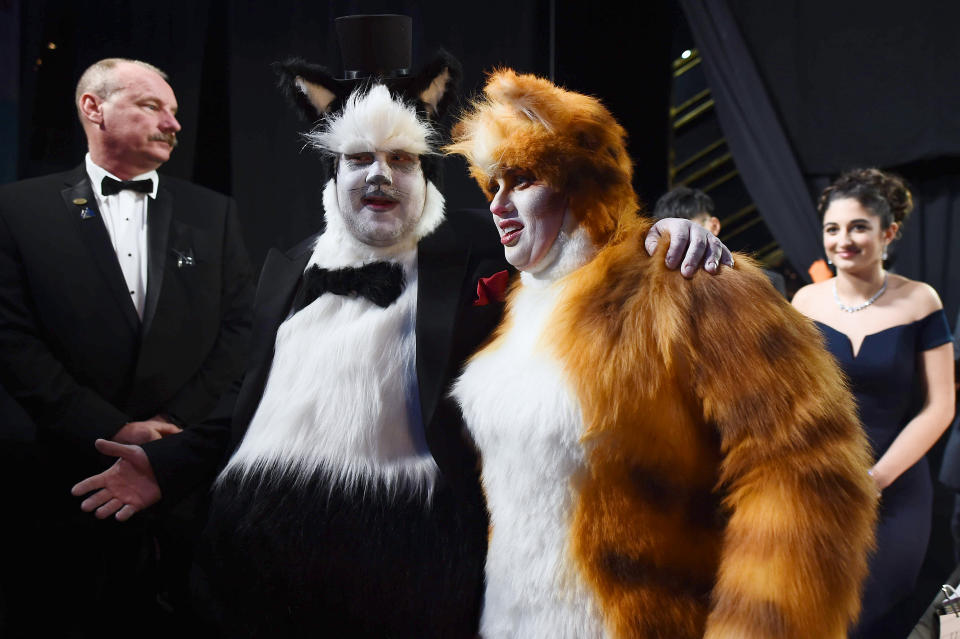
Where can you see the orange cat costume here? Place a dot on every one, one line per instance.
(661, 457)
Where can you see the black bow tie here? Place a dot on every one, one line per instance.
(379, 282)
(109, 186)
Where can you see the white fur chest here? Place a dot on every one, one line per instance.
(342, 396)
(527, 424)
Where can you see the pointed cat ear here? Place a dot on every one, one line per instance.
(312, 89)
(437, 84)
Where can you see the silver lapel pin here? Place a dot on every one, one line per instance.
(184, 258)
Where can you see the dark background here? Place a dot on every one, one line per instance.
(859, 82)
(853, 82)
(240, 137)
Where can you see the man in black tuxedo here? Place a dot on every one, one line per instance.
(124, 314)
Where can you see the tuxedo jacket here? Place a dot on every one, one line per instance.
(449, 328)
(73, 351)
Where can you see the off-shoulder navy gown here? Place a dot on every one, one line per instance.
(885, 380)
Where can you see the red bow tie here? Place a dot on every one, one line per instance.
(492, 289)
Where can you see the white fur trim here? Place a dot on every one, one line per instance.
(373, 121)
(433, 213)
(341, 397)
(338, 247)
(527, 423)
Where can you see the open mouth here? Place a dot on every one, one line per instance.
(510, 232)
(379, 201)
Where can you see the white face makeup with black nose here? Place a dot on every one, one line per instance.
(381, 195)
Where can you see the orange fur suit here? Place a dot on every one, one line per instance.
(662, 458)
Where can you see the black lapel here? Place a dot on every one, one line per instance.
(442, 260)
(159, 214)
(94, 235)
(275, 290)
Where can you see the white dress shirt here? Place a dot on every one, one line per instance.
(125, 216)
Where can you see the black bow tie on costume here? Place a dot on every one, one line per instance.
(109, 186)
(379, 282)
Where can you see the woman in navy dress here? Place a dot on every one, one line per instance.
(891, 337)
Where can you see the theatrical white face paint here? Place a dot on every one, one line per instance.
(528, 214)
(381, 195)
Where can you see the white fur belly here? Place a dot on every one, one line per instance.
(341, 396)
(527, 423)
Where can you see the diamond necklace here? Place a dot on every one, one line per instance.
(862, 305)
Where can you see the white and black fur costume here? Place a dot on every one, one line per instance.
(338, 514)
(356, 421)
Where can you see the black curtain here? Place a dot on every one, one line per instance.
(859, 81)
(592, 43)
(171, 35)
(928, 250)
(760, 148)
(241, 138)
(9, 87)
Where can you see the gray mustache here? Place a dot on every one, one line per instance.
(170, 139)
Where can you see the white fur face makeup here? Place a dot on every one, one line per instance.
(528, 214)
(381, 195)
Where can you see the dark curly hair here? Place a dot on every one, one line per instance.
(883, 194)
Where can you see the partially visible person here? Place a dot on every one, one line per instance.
(689, 204)
(891, 337)
(696, 206)
(124, 314)
(661, 457)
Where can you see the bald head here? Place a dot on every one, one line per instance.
(100, 79)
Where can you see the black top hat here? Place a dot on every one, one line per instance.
(374, 48)
(375, 45)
